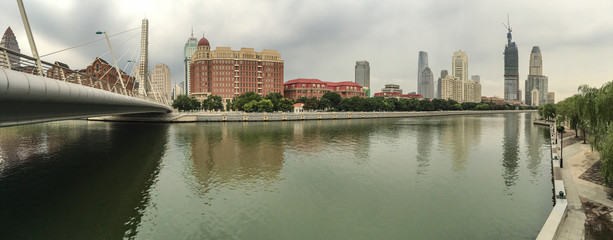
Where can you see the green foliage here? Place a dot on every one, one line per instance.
(265, 105)
(325, 103)
(591, 111)
(250, 106)
(457, 107)
(469, 105)
(186, 103)
(333, 97)
(275, 99)
(311, 104)
(243, 99)
(212, 102)
(286, 105)
(229, 105)
(547, 111)
(482, 106)
(440, 104)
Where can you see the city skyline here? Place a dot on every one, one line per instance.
(384, 37)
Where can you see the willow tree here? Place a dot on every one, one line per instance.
(567, 111)
(591, 111)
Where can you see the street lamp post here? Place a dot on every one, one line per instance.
(561, 130)
(123, 86)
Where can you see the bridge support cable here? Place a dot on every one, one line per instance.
(87, 43)
(119, 76)
(26, 25)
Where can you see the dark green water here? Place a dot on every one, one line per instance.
(459, 177)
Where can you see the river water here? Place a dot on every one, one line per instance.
(454, 177)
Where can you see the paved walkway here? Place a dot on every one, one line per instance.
(573, 227)
(578, 158)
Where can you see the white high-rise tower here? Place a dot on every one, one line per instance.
(190, 48)
(143, 78)
(459, 66)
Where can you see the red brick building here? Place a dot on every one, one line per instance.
(104, 71)
(310, 88)
(229, 73)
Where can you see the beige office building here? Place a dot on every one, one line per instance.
(458, 86)
(452, 88)
(551, 97)
(459, 65)
(472, 91)
(161, 81)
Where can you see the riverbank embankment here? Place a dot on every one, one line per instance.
(184, 117)
(586, 210)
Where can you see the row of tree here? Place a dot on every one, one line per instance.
(248, 102)
(331, 101)
(590, 111)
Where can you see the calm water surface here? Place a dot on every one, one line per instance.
(457, 177)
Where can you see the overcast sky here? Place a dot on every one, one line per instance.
(323, 39)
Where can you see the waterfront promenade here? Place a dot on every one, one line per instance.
(259, 117)
(589, 211)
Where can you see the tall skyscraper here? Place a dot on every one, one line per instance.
(426, 85)
(362, 75)
(143, 78)
(422, 63)
(536, 80)
(511, 73)
(439, 82)
(425, 77)
(459, 65)
(9, 41)
(189, 50)
(536, 61)
(161, 81)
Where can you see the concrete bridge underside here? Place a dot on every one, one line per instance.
(27, 98)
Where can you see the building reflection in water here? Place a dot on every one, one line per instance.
(462, 133)
(77, 179)
(234, 153)
(534, 141)
(241, 153)
(510, 149)
(426, 130)
(351, 136)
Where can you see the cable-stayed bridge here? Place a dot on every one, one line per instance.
(28, 98)
(33, 91)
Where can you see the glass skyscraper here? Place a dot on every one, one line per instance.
(362, 75)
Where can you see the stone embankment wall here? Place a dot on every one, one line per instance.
(260, 117)
(242, 117)
(552, 226)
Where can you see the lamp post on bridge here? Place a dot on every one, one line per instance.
(114, 60)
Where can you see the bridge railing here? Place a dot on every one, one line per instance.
(61, 72)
